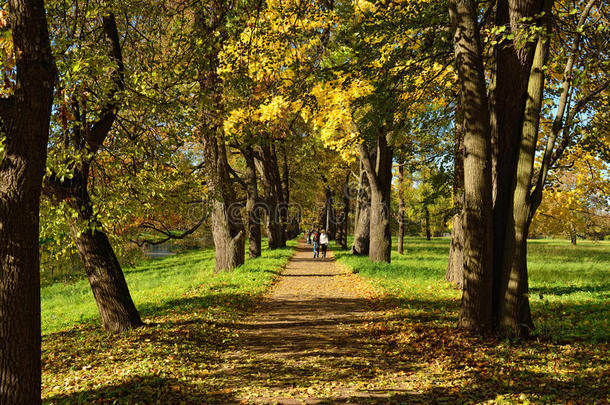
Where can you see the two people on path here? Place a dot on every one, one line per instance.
(320, 242)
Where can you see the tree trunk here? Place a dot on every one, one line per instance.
(380, 179)
(252, 209)
(24, 122)
(572, 234)
(117, 311)
(507, 101)
(427, 220)
(265, 166)
(330, 220)
(343, 218)
(363, 215)
(227, 228)
(514, 317)
(476, 306)
(227, 224)
(455, 266)
(401, 208)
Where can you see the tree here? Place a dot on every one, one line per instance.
(24, 120)
(227, 229)
(82, 134)
(476, 307)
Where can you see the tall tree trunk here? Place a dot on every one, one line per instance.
(455, 266)
(117, 310)
(401, 208)
(380, 179)
(514, 317)
(267, 169)
(24, 122)
(427, 221)
(343, 222)
(282, 206)
(363, 215)
(507, 101)
(330, 220)
(252, 209)
(227, 227)
(572, 234)
(476, 306)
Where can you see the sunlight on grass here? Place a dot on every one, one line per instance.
(156, 282)
(569, 285)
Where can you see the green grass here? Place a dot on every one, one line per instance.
(569, 285)
(159, 285)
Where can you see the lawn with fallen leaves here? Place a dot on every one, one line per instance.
(406, 346)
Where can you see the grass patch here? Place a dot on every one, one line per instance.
(189, 311)
(569, 285)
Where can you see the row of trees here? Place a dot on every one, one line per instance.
(161, 120)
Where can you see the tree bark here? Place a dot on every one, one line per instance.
(514, 317)
(330, 219)
(252, 209)
(476, 306)
(380, 180)
(363, 215)
(427, 221)
(401, 208)
(24, 121)
(507, 101)
(267, 168)
(455, 266)
(344, 217)
(227, 226)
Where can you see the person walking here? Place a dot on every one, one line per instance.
(316, 243)
(323, 242)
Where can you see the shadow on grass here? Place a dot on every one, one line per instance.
(565, 290)
(146, 390)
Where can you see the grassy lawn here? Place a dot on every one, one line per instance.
(188, 310)
(566, 362)
(569, 285)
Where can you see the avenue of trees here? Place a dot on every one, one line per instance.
(133, 123)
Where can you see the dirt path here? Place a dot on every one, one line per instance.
(304, 344)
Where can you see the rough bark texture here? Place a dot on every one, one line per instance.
(380, 180)
(476, 307)
(401, 209)
(514, 317)
(117, 310)
(252, 209)
(24, 120)
(227, 228)
(268, 170)
(455, 266)
(362, 219)
(507, 101)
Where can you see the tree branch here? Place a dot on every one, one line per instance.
(100, 129)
